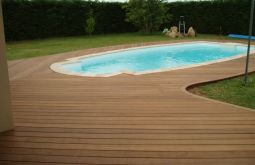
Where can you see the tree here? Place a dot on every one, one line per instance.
(90, 23)
(147, 15)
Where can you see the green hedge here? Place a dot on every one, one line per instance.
(25, 19)
(30, 19)
(214, 17)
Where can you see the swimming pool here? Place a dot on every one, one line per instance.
(150, 59)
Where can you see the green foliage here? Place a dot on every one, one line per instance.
(147, 15)
(90, 24)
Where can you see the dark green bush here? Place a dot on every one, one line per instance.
(30, 19)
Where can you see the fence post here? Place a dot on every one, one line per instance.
(249, 43)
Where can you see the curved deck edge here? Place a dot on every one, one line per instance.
(186, 89)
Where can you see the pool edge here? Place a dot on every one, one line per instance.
(58, 69)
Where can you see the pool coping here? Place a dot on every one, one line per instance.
(56, 67)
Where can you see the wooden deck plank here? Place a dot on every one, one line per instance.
(137, 122)
(129, 131)
(130, 154)
(112, 161)
(126, 141)
(110, 135)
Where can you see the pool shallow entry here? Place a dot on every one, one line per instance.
(150, 59)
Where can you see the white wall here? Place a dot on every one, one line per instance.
(5, 106)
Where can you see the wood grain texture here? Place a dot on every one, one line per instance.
(147, 119)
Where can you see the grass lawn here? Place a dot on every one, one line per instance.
(33, 48)
(231, 91)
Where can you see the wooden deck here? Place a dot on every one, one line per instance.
(148, 119)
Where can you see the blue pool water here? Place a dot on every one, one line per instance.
(151, 59)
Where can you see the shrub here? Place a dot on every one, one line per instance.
(90, 24)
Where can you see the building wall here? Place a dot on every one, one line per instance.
(5, 105)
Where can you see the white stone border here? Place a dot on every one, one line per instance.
(57, 67)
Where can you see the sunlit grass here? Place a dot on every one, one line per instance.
(34, 48)
(232, 91)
